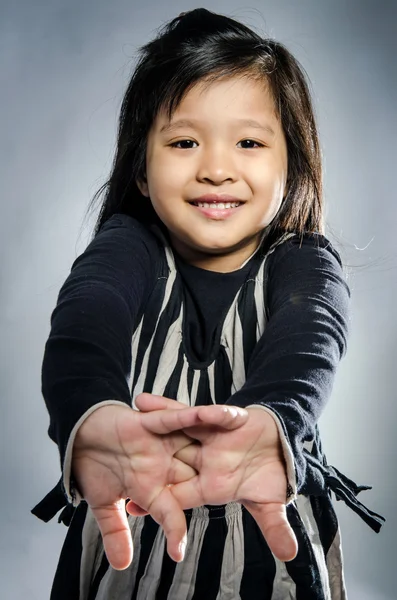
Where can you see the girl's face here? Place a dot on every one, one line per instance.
(216, 173)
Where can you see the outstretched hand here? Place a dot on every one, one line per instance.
(120, 454)
(244, 465)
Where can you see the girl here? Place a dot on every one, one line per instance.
(208, 282)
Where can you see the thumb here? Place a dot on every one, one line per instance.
(223, 416)
(147, 402)
(113, 525)
(272, 521)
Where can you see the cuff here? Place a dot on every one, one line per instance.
(71, 491)
(287, 452)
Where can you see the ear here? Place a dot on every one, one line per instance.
(143, 186)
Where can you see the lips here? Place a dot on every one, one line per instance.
(216, 199)
(217, 202)
(217, 207)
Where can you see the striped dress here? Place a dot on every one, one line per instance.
(226, 556)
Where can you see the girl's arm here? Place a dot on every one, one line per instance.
(289, 380)
(87, 357)
(292, 369)
(117, 452)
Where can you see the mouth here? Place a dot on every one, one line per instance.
(217, 210)
(216, 205)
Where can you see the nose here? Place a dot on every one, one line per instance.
(216, 166)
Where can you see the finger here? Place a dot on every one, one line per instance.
(147, 402)
(191, 456)
(166, 421)
(225, 416)
(189, 494)
(113, 525)
(135, 510)
(278, 533)
(166, 511)
(215, 418)
(181, 471)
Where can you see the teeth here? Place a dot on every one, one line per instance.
(218, 205)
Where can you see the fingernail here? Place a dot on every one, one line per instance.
(233, 411)
(182, 549)
(241, 411)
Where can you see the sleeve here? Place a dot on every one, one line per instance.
(87, 357)
(292, 368)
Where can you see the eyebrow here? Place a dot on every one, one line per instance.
(183, 123)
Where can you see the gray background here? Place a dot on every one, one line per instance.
(64, 66)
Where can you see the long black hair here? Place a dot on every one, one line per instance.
(201, 45)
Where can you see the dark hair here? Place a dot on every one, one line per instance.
(201, 45)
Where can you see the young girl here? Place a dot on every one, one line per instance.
(209, 300)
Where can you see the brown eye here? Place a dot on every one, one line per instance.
(183, 144)
(251, 144)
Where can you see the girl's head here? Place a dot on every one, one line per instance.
(214, 109)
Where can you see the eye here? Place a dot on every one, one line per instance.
(251, 144)
(183, 144)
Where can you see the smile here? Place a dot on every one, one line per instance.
(217, 205)
(217, 211)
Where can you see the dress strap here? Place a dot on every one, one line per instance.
(155, 229)
(322, 476)
(48, 507)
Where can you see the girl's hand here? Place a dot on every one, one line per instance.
(244, 465)
(120, 453)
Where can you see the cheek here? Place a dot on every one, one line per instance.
(164, 192)
(167, 187)
(164, 189)
(164, 171)
(268, 184)
(268, 181)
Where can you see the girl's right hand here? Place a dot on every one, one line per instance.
(121, 453)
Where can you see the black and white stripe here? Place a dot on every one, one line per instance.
(226, 555)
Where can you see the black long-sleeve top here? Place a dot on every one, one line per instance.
(87, 357)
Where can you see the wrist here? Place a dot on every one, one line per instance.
(269, 423)
(96, 424)
(283, 447)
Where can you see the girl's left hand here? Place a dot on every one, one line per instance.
(244, 465)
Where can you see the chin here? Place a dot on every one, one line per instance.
(216, 249)
(212, 245)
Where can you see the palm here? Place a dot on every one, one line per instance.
(120, 453)
(135, 463)
(244, 465)
(230, 469)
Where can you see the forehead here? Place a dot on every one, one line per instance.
(238, 98)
